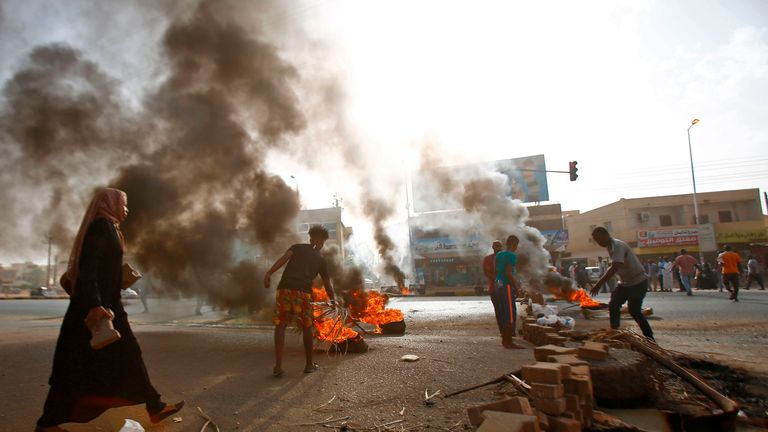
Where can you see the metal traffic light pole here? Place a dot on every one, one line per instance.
(572, 171)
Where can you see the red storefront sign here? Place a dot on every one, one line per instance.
(674, 237)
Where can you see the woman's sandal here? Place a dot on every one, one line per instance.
(315, 367)
(166, 412)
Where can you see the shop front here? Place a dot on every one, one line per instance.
(450, 266)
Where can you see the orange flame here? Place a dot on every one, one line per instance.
(328, 329)
(580, 296)
(319, 294)
(370, 307)
(333, 331)
(404, 290)
(366, 306)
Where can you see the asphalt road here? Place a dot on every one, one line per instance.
(222, 363)
(704, 305)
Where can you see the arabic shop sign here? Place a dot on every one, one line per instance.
(745, 236)
(672, 237)
(446, 244)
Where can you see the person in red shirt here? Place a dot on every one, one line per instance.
(731, 264)
(687, 265)
(489, 269)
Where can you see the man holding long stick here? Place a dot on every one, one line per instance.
(634, 281)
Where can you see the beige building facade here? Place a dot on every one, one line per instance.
(330, 219)
(658, 226)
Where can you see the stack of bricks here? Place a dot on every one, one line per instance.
(541, 335)
(547, 381)
(561, 384)
(509, 415)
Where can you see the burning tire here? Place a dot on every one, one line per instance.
(350, 346)
(393, 328)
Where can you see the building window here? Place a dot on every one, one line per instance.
(725, 216)
(703, 219)
(665, 220)
(331, 227)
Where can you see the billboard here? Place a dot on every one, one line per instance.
(426, 247)
(526, 181)
(555, 239)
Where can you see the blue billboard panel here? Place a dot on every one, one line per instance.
(526, 181)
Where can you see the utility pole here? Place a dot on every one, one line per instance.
(765, 195)
(48, 269)
(695, 200)
(55, 269)
(411, 251)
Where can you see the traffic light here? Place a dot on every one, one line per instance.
(572, 170)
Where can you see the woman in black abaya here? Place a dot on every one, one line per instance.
(86, 382)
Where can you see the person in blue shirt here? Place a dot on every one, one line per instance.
(506, 289)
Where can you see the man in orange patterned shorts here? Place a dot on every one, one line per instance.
(294, 293)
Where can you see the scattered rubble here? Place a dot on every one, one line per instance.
(568, 379)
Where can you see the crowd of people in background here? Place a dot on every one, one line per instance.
(681, 272)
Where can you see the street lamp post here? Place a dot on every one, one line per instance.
(695, 201)
(296, 188)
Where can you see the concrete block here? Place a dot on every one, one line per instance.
(593, 351)
(556, 340)
(548, 330)
(568, 359)
(545, 373)
(598, 346)
(572, 402)
(575, 415)
(550, 406)
(541, 353)
(580, 386)
(587, 412)
(562, 424)
(528, 330)
(547, 391)
(518, 405)
(521, 405)
(543, 420)
(577, 370)
(495, 421)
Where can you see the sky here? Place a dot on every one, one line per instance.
(613, 85)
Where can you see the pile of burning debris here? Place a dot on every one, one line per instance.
(590, 308)
(333, 322)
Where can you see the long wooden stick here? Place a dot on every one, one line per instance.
(328, 420)
(493, 381)
(727, 405)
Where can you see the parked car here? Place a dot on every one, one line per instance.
(593, 273)
(43, 292)
(129, 293)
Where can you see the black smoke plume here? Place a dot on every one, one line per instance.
(484, 197)
(191, 159)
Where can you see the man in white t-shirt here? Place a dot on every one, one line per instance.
(634, 281)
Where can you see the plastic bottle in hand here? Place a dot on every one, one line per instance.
(103, 334)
